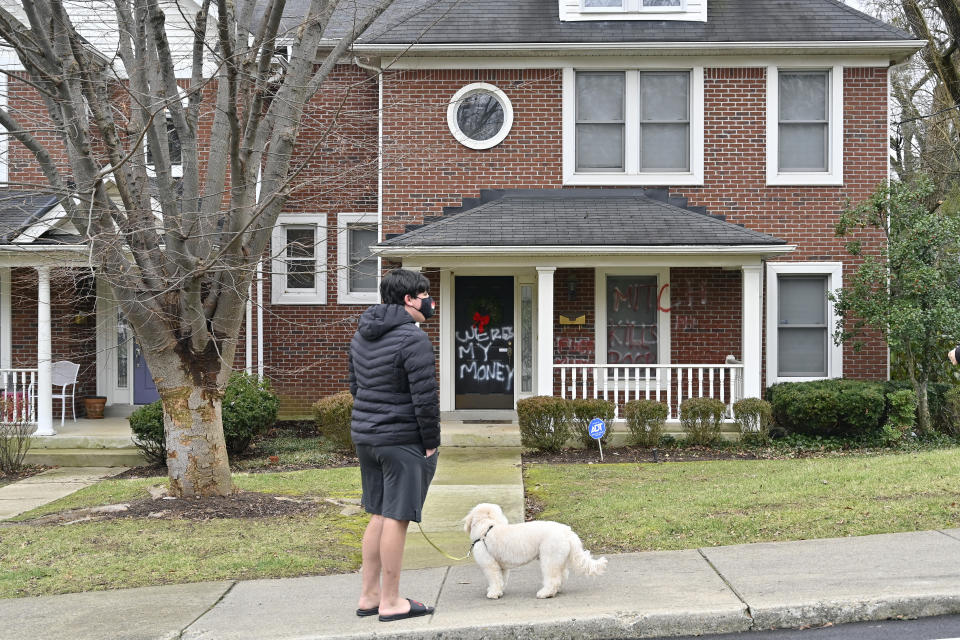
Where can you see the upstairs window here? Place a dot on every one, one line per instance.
(633, 127)
(686, 10)
(173, 148)
(804, 126)
(298, 245)
(358, 268)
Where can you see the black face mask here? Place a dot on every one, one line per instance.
(426, 307)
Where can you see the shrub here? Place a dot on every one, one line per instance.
(544, 422)
(943, 418)
(700, 419)
(332, 415)
(645, 419)
(586, 409)
(846, 408)
(805, 408)
(249, 409)
(147, 426)
(753, 417)
(951, 412)
(14, 443)
(901, 415)
(861, 407)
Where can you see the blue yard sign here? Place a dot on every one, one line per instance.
(597, 428)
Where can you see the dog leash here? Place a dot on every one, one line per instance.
(442, 552)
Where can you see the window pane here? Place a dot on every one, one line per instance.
(802, 352)
(480, 116)
(599, 146)
(664, 147)
(363, 266)
(664, 96)
(589, 4)
(803, 96)
(123, 335)
(802, 300)
(661, 3)
(301, 275)
(631, 319)
(300, 243)
(526, 338)
(803, 147)
(600, 97)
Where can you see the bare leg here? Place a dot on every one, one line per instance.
(392, 539)
(370, 570)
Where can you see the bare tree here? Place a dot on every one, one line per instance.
(180, 274)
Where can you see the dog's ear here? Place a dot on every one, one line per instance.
(468, 521)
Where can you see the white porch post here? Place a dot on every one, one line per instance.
(752, 333)
(44, 356)
(545, 330)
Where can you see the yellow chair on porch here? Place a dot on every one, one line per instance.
(64, 375)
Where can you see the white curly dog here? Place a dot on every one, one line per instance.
(499, 546)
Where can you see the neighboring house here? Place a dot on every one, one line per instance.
(610, 197)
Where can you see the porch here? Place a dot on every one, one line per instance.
(106, 442)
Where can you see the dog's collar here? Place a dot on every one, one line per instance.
(480, 539)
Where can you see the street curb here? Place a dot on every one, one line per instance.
(855, 610)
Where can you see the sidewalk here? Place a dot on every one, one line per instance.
(672, 593)
(716, 590)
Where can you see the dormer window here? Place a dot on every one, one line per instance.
(689, 10)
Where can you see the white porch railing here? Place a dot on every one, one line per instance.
(670, 384)
(18, 395)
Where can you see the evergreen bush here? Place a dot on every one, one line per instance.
(147, 426)
(700, 419)
(332, 416)
(753, 417)
(901, 415)
(586, 409)
(544, 422)
(645, 419)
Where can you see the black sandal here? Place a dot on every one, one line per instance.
(372, 611)
(417, 609)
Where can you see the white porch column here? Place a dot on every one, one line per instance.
(44, 356)
(545, 330)
(752, 330)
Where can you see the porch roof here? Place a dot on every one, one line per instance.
(19, 209)
(537, 219)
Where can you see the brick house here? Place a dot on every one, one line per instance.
(623, 198)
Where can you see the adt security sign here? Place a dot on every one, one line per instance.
(597, 428)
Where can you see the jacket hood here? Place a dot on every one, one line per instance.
(380, 319)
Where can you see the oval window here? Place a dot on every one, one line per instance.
(480, 116)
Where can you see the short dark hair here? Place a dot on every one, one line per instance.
(401, 282)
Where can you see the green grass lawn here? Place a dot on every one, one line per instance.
(132, 552)
(641, 507)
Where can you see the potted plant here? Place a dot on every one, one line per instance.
(94, 406)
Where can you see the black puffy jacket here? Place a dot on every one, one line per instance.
(393, 381)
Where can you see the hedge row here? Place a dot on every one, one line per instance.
(857, 408)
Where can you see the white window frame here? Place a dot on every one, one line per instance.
(631, 175)
(688, 11)
(833, 176)
(834, 273)
(279, 293)
(466, 92)
(344, 294)
(663, 302)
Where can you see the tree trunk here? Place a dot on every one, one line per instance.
(197, 463)
(923, 407)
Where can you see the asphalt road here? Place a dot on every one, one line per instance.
(938, 628)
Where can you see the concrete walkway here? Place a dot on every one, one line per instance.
(642, 595)
(53, 484)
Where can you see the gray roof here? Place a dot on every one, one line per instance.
(538, 21)
(577, 217)
(19, 209)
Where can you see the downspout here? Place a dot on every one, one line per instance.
(378, 71)
(259, 304)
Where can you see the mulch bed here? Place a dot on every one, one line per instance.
(26, 472)
(241, 504)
